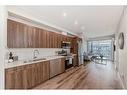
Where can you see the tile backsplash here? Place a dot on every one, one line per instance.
(27, 53)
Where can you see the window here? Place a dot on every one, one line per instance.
(103, 47)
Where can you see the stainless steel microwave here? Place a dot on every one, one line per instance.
(66, 44)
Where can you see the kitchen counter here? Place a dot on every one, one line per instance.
(30, 61)
(73, 54)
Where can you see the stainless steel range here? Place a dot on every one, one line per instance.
(68, 60)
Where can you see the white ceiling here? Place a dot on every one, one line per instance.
(91, 20)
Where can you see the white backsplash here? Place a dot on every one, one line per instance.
(27, 53)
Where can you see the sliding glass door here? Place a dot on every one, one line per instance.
(101, 47)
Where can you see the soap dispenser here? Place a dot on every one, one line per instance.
(10, 57)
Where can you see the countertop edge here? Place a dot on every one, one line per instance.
(21, 63)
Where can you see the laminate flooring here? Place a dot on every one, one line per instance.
(89, 76)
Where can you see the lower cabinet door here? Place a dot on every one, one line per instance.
(45, 70)
(59, 66)
(29, 78)
(62, 66)
(19, 78)
(25, 77)
(41, 72)
(10, 78)
(38, 73)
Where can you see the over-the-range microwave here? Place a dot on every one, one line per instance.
(65, 44)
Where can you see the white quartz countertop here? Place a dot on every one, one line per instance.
(30, 61)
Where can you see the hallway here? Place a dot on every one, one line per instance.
(90, 76)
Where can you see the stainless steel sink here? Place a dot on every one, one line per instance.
(26, 61)
(39, 59)
(32, 60)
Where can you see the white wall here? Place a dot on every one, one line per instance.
(122, 54)
(3, 16)
(27, 53)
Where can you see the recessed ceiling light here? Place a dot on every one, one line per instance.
(76, 22)
(64, 14)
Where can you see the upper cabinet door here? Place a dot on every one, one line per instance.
(40, 38)
(20, 35)
(55, 40)
(35, 37)
(59, 39)
(51, 42)
(15, 34)
(47, 40)
(10, 33)
(44, 39)
(64, 38)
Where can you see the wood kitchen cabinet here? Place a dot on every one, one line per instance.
(64, 38)
(59, 40)
(28, 37)
(10, 78)
(35, 38)
(53, 40)
(41, 72)
(37, 73)
(19, 77)
(20, 35)
(42, 38)
(10, 40)
(14, 78)
(62, 66)
(50, 39)
(15, 34)
(46, 70)
(47, 39)
(27, 76)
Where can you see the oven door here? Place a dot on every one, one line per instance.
(68, 63)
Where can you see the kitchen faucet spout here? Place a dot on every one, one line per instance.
(35, 53)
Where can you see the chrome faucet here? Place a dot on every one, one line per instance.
(35, 53)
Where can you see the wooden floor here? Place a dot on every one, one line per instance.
(90, 76)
